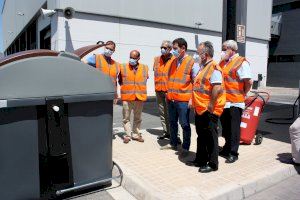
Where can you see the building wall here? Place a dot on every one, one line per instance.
(284, 74)
(176, 12)
(284, 62)
(13, 23)
(129, 34)
(259, 14)
(257, 52)
(142, 25)
(289, 41)
(209, 13)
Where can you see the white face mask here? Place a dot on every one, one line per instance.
(108, 52)
(163, 51)
(223, 55)
(132, 62)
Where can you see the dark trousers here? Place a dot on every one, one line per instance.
(207, 141)
(231, 121)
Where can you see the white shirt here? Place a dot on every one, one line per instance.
(244, 72)
(216, 77)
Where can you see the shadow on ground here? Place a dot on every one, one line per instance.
(157, 133)
(279, 128)
(287, 159)
(274, 131)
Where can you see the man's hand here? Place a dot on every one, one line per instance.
(190, 105)
(247, 85)
(210, 107)
(116, 101)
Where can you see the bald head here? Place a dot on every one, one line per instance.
(135, 54)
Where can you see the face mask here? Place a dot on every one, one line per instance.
(175, 53)
(223, 55)
(132, 62)
(163, 51)
(108, 52)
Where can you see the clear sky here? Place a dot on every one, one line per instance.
(1, 28)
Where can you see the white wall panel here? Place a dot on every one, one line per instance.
(128, 34)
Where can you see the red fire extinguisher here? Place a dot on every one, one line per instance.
(250, 117)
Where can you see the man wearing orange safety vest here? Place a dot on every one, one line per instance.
(161, 71)
(208, 101)
(237, 83)
(133, 81)
(180, 96)
(106, 64)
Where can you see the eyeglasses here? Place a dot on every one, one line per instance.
(165, 48)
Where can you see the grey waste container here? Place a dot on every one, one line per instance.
(55, 125)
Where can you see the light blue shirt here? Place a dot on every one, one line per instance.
(91, 60)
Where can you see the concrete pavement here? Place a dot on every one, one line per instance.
(150, 173)
(288, 189)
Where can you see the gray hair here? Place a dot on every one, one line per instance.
(208, 48)
(169, 43)
(231, 44)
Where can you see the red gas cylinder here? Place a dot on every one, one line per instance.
(250, 117)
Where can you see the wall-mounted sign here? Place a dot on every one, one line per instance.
(241, 33)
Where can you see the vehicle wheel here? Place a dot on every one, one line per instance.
(258, 139)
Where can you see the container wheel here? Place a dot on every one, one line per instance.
(258, 139)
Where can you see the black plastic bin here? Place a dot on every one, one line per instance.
(55, 125)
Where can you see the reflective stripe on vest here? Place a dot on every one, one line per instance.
(202, 91)
(110, 69)
(233, 85)
(179, 84)
(134, 84)
(161, 72)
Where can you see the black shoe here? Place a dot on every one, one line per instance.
(223, 154)
(231, 159)
(164, 136)
(192, 163)
(207, 169)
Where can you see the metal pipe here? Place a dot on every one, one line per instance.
(92, 184)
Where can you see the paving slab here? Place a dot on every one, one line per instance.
(151, 173)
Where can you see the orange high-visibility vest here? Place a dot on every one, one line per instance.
(234, 87)
(112, 69)
(180, 82)
(134, 83)
(202, 90)
(161, 71)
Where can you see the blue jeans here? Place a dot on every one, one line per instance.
(179, 110)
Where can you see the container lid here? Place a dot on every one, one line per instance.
(31, 80)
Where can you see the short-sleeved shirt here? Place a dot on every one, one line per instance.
(244, 72)
(91, 60)
(216, 77)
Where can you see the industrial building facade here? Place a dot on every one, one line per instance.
(284, 58)
(137, 24)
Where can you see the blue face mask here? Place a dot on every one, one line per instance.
(163, 51)
(108, 52)
(132, 62)
(175, 53)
